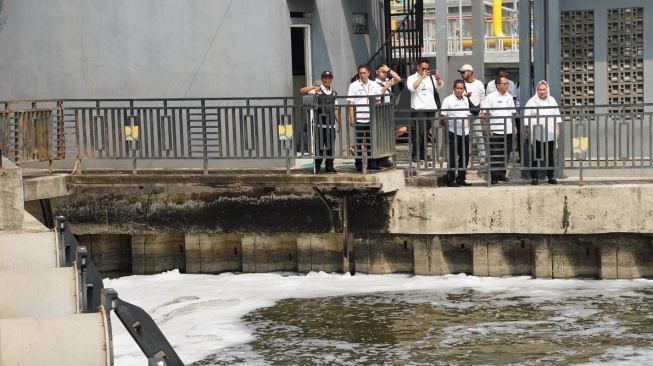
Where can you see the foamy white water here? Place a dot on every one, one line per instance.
(201, 314)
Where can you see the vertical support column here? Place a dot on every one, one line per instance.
(480, 259)
(213, 253)
(269, 252)
(11, 196)
(347, 245)
(609, 255)
(319, 252)
(542, 258)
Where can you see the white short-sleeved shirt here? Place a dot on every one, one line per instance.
(360, 94)
(422, 96)
(477, 89)
(502, 117)
(459, 115)
(382, 84)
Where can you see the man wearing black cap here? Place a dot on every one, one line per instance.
(327, 121)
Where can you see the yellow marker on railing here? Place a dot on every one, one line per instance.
(581, 145)
(131, 133)
(285, 132)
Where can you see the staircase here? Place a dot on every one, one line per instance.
(403, 47)
(53, 307)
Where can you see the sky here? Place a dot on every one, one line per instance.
(200, 314)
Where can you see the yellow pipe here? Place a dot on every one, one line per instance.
(497, 27)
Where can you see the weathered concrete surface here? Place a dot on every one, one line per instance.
(158, 253)
(50, 186)
(380, 254)
(214, 253)
(269, 253)
(538, 210)
(198, 208)
(38, 293)
(33, 247)
(110, 253)
(320, 252)
(11, 196)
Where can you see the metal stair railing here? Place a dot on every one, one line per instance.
(93, 296)
(403, 47)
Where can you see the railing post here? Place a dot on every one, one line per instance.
(205, 154)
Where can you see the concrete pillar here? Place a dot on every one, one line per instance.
(269, 252)
(574, 257)
(214, 253)
(542, 257)
(608, 254)
(634, 257)
(11, 196)
(384, 254)
(319, 252)
(508, 257)
(158, 253)
(439, 255)
(480, 260)
(109, 252)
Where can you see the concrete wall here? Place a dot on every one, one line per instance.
(542, 210)
(169, 48)
(11, 196)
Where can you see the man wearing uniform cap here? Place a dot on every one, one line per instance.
(326, 120)
(475, 91)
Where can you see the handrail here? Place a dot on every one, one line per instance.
(93, 295)
(389, 40)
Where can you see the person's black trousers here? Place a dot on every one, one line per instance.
(458, 145)
(325, 138)
(422, 121)
(540, 149)
(363, 143)
(500, 148)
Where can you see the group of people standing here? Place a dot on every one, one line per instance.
(496, 107)
(358, 99)
(467, 111)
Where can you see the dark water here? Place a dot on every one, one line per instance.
(465, 327)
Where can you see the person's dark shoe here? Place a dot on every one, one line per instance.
(386, 163)
(330, 169)
(504, 179)
(316, 169)
(494, 181)
(373, 167)
(463, 183)
(552, 181)
(454, 184)
(359, 168)
(415, 159)
(534, 181)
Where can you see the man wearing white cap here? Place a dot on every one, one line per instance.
(475, 91)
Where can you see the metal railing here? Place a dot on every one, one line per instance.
(283, 132)
(93, 297)
(280, 130)
(609, 138)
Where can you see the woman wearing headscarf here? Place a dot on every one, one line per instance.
(542, 121)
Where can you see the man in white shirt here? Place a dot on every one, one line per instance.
(512, 87)
(475, 91)
(499, 110)
(455, 112)
(422, 85)
(359, 94)
(386, 78)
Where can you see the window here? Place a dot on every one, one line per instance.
(360, 23)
